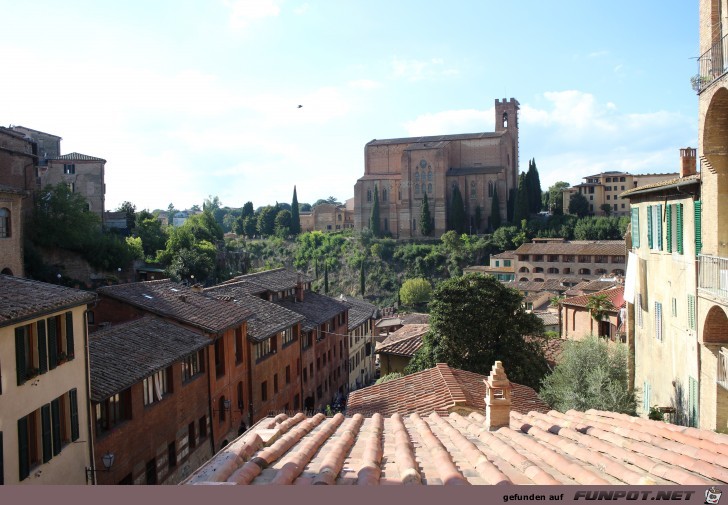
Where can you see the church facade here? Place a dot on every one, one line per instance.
(403, 170)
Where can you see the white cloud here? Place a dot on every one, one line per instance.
(451, 121)
(365, 84)
(243, 12)
(597, 54)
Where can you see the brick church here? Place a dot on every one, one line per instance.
(405, 169)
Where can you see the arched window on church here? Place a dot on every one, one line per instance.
(505, 120)
(369, 195)
(429, 175)
(473, 190)
(417, 188)
(429, 188)
(4, 223)
(417, 176)
(384, 195)
(490, 189)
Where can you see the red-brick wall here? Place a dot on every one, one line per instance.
(151, 429)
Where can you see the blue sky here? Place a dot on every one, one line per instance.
(190, 98)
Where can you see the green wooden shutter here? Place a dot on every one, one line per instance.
(669, 227)
(659, 227)
(20, 355)
(45, 416)
(649, 226)
(635, 227)
(72, 396)
(698, 233)
(69, 335)
(23, 456)
(42, 346)
(2, 470)
(52, 343)
(56, 412)
(679, 228)
(693, 413)
(691, 312)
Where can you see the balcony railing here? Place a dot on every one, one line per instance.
(713, 276)
(722, 378)
(712, 64)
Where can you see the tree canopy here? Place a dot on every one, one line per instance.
(295, 218)
(415, 292)
(578, 205)
(475, 321)
(521, 206)
(556, 197)
(592, 374)
(457, 211)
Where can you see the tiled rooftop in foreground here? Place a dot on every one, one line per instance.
(579, 448)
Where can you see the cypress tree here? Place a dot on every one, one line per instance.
(295, 218)
(495, 217)
(510, 203)
(457, 211)
(478, 218)
(374, 217)
(362, 278)
(534, 188)
(520, 208)
(326, 278)
(425, 218)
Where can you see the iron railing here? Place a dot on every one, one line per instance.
(722, 377)
(713, 276)
(712, 64)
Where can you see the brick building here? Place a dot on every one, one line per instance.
(45, 435)
(361, 342)
(328, 217)
(403, 170)
(223, 322)
(11, 230)
(149, 394)
(577, 322)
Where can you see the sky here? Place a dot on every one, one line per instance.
(188, 99)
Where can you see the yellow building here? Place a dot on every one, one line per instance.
(711, 82)
(44, 416)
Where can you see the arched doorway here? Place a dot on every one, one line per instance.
(6, 271)
(715, 152)
(713, 395)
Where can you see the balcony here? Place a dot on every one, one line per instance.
(712, 64)
(713, 276)
(722, 378)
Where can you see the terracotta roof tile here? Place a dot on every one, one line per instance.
(405, 341)
(22, 299)
(359, 310)
(615, 295)
(575, 247)
(277, 279)
(167, 298)
(315, 308)
(592, 448)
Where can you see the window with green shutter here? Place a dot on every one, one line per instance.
(52, 343)
(698, 233)
(20, 359)
(45, 416)
(56, 416)
(657, 224)
(23, 448)
(73, 400)
(2, 467)
(69, 335)
(691, 312)
(669, 226)
(693, 412)
(658, 321)
(649, 227)
(635, 227)
(679, 228)
(42, 347)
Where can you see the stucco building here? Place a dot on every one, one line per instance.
(361, 342)
(712, 303)
(403, 170)
(11, 230)
(607, 187)
(45, 435)
(327, 217)
(501, 266)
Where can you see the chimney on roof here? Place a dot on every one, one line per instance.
(196, 288)
(497, 398)
(688, 162)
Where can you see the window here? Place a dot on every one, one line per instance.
(152, 471)
(221, 409)
(369, 195)
(193, 365)
(203, 427)
(306, 340)
(621, 179)
(600, 259)
(568, 258)
(553, 258)
(693, 393)
(288, 374)
(538, 257)
(113, 411)
(172, 454)
(264, 391)
(615, 206)
(4, 222)
(238, 345)
(384, 195)
(287, 336)
(69, 168)
(646, 393)
(240, 396)
(585, 259)
(191, 435)
(691, 312)
(264, 348)
(674, 233)
(674, 307)
(473, 191)
(697, 217)
(429, 187)
(305, 375)
(609, 197)
(156, 386)
(417, 189)
(654, 227)
(220, 356)
(635, 227)
(638, 310)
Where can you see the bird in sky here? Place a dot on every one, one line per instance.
(300, 106)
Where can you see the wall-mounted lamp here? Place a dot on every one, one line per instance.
(226, 405)
(107, 460)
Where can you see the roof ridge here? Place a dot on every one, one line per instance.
(453, 385)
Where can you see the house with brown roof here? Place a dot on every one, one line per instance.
(497, 445)
(149, 399)
(577, 321)
(82, 173)
(223, 322)
(396, 351)
(440, 389)
(361, 362)
(45, 433)
(501, 266)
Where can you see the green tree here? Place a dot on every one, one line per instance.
(129, 209)
(267, 221)
(415, 292)
(389, 377)
(283, 223)
(149, 229)
(592, 374)
(606, 208)
(599, 306)
(295, 218)
(362, 279)
(248, 209)
(171, 211)
(521, 207)
(495, 216)
(578, 205)
(326, 278)
(60, 219)
(475, 320)
(504, 236)
(250, 226)
(534, 188)
(374, 216)
(425, 217)
(457, 212)
(556, 198)
(305, 207)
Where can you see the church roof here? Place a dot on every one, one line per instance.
(433, 138)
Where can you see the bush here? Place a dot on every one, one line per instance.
(415, 292)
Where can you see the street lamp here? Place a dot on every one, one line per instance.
(107, 460)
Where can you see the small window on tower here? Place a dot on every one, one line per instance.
(505, 120)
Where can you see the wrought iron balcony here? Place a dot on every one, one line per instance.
(712, 64)
(713, 276)
(722, 378)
